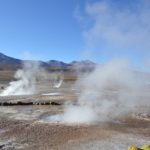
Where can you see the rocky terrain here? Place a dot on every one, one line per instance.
(27, 127)
(10, 63)
(35, 121)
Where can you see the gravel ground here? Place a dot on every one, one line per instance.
(23, 128)
(27, 132)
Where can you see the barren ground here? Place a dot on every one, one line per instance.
(24, 127)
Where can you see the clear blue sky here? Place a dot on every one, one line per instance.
(47, 29)
(76, 29)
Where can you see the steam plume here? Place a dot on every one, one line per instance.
(113, 89)
(108, 92)
(26, 79)
(57, 83)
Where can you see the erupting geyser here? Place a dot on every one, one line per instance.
(26, 79)
(108, 92)
(58, 84)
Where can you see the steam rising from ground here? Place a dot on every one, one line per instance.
(108, 92)
(57, 83)
(113, 89)
(117, 26)
(25, 79)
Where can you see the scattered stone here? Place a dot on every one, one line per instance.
(2, 146)
(27, 103)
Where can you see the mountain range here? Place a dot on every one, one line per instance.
(10, 63)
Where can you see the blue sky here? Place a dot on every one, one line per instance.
(68, 30)
(45, 28)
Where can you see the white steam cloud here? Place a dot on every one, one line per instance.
(57, 82)
(119, 25)
(112, 90)
(25, 79)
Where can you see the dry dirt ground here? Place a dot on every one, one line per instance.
(24, 127)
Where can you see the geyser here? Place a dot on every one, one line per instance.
(25, 79)
(111, 90)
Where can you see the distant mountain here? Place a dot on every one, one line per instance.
(84, 65)
(87, 63)
(10, 63)
(57, 64)
(8, 60)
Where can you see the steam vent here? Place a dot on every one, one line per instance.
(74, 74)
